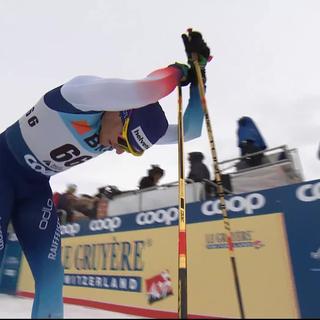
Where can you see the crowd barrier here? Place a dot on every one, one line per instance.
(129, 263)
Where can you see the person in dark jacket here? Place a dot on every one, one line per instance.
(153, 177)
(198, 170)
(250, 141)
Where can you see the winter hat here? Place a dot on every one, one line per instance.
(146, 126)
(195, 156)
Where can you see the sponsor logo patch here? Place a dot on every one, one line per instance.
(141, 139)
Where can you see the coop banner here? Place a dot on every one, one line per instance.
(131, 260)
(238, 206)
(301, 204)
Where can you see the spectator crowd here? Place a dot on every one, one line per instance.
(71, 207)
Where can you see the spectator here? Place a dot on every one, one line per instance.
(102, 192)
(250, 141)
(92, 207)
(199, 173)
(102, 205)
(66, 202)
(84, 207)
(198, 170)
(153, 177)
(108, 192)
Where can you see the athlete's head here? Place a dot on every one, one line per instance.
(142, 128)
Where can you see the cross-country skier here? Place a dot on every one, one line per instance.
(69, 125)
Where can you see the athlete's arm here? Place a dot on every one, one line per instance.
(192, 121)
(90, 93)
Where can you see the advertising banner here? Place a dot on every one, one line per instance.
(130, 262)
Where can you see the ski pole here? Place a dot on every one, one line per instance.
(182, 239)
(217, 173)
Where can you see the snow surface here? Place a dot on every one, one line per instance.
(12, 307)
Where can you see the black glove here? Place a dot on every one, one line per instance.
(194, 43)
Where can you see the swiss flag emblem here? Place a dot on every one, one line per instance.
(81, 126)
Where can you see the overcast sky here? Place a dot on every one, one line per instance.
(266, 66)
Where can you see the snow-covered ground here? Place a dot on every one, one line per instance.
(12, 307)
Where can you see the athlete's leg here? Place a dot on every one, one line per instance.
(6, 194)
(6, 206)
(38, 230)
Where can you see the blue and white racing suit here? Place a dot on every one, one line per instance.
(59, 132)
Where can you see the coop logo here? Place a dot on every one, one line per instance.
(247, 204)
(308, 192)
(141, 138)
(70, 229)
(33, 163)
(162, 216)
(110, 224)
